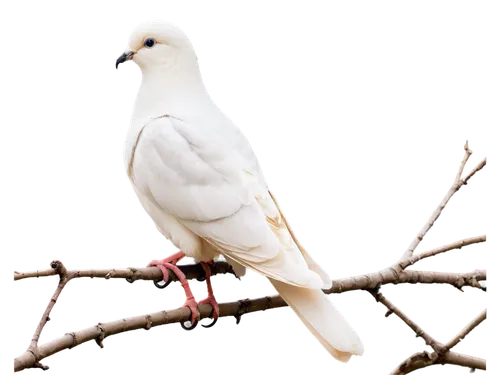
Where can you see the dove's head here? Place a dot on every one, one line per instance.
(158, 44)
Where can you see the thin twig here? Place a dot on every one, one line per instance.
(467, 329)
(429, 340)
(404, 263)
(473, 172)
(441, 354)
(457, 184)
(425, 359)
(59, 269)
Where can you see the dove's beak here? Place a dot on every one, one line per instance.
(124, 57)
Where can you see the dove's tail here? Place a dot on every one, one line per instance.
(322, 318)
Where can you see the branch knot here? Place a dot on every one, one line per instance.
(34, 352)
(149, 322)
(75, 340)
(242, 309)
(102, 335)
(459, 283)
(268, 304)
(135, 275)
(60, 269)
(110, 274)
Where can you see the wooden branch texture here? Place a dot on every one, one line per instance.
(103, 330)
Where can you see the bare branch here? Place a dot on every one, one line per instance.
(457, 184)
(146, 321)
(467, 329)
(102, 330)
(192, 271)
(441, 352)
(59, 268)
(453, 358)
(404, 263)
(415, 362)
(473, 172)
(458, 280)
(349, 284)
(425, 359)
(429, 340)
(389, 276)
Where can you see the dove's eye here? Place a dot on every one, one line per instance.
(149, 42)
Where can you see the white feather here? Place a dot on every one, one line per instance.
(198, 178)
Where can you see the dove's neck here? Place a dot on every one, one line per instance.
(175, 90)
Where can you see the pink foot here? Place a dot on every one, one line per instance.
(211, 299)
(215, 306)
(169, 263)
(190, 300)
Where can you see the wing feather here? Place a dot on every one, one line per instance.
(216, 193)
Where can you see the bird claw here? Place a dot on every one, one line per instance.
(212, 300)
(194, 315)
(161, 284)
(209, 323)
(189, 327)
(193, 318)
(215, 310)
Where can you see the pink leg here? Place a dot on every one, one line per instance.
(160, 263)
(211, 298)
(170, 264)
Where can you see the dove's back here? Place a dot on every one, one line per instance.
(206, 182)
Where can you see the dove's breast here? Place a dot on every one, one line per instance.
(184, 172)
(168, 225)
(138, 166)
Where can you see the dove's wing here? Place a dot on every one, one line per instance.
(209, 180)
(196, 176)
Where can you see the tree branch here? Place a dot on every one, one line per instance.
(368, 281)
(36, 353)
(391, 308)
(442, 353)
(458, 280)
(473, 172)
(467, 329)
(424, 359)
(443, 249)
(389, 276)
(103, 330)
(457, 184)
(59, 269)
(192, 271)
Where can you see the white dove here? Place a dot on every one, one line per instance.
(196, 176)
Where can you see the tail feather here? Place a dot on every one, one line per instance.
(323, 320)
